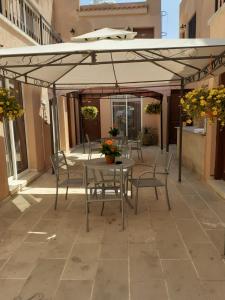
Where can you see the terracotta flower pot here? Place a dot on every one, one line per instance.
(109, 159)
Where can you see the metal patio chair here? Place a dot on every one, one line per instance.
(154, 181)
(92, 146)
(61, 170)
(135, 145)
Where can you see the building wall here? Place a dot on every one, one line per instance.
(209, 25)
(204, 9)
(93, 20)
(216, 24)
(37, 122)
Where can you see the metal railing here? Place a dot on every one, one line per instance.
(22, 14)
(219, 3)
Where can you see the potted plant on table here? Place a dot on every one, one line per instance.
(114, 131)
(111, 151)
(10, 109)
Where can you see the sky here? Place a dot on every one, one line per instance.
(170, 22)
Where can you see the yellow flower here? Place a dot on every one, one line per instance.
(1, 110)
(181, 101)
(193, 100)
(203, 102)
(202, 114)
(189, 121)
(215, 113)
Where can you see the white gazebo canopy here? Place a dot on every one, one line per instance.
(113, 58)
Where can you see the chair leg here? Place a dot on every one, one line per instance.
(56, 197)
(103, 206)
(136, 202)
(167, 198)
(156, 193)
(67, 188)
(141, 155)
(122, 212)
(87, 216)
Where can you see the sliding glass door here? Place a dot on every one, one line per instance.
(15, 138)
(126, 114)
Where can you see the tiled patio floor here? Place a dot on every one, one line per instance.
(161, 255)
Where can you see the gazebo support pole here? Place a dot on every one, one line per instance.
(181, 133)
(81, 123)
(161, 124)
(55, 121)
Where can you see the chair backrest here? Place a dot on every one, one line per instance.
(59, 163)
(170, 158)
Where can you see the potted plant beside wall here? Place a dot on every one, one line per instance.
(150, 136)
(10, 109)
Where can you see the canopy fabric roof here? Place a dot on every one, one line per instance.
(98, 59)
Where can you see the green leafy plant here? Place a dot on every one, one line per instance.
(10, 109)
(109, 148)
(89, 112)
(114, 131)
(153, 108)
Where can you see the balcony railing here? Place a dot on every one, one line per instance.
(219, 3)
(22, 14)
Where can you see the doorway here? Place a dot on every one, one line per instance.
(92, 127)
(126, 115)
(174, 115)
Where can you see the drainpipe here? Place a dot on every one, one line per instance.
(181, 133)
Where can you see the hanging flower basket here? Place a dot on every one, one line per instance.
(89, 112)
(10, 109)
(153, 108)
(205, 103)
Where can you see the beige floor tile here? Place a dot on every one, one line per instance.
(10, 288)
(182, 281)
(137, 250)
(74, 290)
(111, 280)
(145, 268)
(169, 243)
(9, 242)
(44, 279)
(22, 262)
(181, 211)
(208, 262)
(217, 236)
(2, 262)
(192, 232)
(83, 262)
(153, 289)
(44, 231)
(215, 289)
(115, 235)
(114, 251)
(207, 218)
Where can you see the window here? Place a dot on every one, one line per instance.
(192, 28)
(218, 4)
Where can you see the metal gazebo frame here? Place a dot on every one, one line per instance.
(214, 63)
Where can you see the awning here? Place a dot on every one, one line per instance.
(113, 58)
